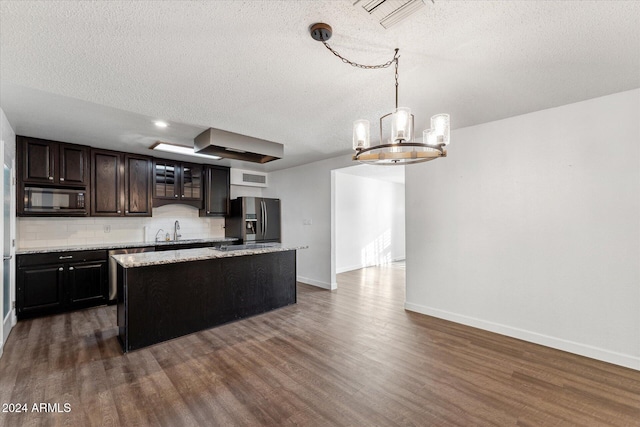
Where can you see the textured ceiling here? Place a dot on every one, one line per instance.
(99, 72)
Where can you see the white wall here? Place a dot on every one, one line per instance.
(531, 228)
(54, 232)
(236, 191)
(305, 194)
(369, 221)
(8, 137)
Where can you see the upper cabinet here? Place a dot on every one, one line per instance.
(137, 185)
(216, 191)
(60, 179)
(121, 184)
(177, 182)
(52, 163)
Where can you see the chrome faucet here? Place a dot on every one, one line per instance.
(158, 233)
(176, 227)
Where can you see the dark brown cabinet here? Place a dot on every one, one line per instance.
(176, 182)
(55, 282)
(216, 191)
(121, 184)
(87, 283)
(137, 185)
(40, 290)
(52, 163)
(113, 183)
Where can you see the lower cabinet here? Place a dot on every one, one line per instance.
(60, 281)
(40, 290)
(87, 284)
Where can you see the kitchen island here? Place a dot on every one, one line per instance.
(165, 295)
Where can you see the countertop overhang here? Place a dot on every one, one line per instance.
(185, 255)
(109, 246)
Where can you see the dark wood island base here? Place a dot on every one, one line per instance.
(165, 301)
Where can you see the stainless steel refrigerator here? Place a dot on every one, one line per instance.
(254, 220)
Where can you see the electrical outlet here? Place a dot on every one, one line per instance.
(107, 229)
(307, 221)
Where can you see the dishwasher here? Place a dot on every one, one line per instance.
(113, 268)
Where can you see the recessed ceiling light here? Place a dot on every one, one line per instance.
(180, 149)
(161, 124)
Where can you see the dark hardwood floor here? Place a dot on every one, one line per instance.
(351, 357)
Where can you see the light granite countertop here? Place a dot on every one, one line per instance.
(109, 246)
(185, 255)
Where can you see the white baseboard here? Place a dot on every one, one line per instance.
(312, 282)
(597, 353)
(359, 266)
(349, 268)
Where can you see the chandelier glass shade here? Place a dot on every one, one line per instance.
(399, 147)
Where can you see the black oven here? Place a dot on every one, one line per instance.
(54, 200)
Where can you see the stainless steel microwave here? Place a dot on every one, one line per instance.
(54, 200)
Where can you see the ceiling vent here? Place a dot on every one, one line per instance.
(389, 12)
(234, 146)
(247, 178)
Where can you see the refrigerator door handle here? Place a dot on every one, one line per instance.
(266, 219)
(262, 219)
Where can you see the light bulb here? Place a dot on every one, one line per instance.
(401, 125)
(440, 125)
(360, 134)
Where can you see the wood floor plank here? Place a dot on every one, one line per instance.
(351, 357)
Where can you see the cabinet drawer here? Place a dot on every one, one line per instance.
(60, 257)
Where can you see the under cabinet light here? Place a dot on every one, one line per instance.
(180, 149)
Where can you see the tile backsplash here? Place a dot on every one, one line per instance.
(53, 232)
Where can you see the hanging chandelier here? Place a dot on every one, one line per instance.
(400, 146)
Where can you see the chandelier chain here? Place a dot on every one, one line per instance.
(367, 67)
(395, 58)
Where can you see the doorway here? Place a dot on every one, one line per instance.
(368, 218)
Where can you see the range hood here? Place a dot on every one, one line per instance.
(231, 145)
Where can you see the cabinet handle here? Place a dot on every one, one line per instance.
(208, 212)
(71, 268)
(65, 257)
(118, 211)
(183, 195)
(126, 211)
(175, 195)
(61, 269)
(50, 178)
(61, 179)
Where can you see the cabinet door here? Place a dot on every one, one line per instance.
(87, 284)
(40, 290)
(137, 185)
(165, 179)
(73, 165)
(191, 180)
(216, 195)
(38, 160)
(106, 183)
